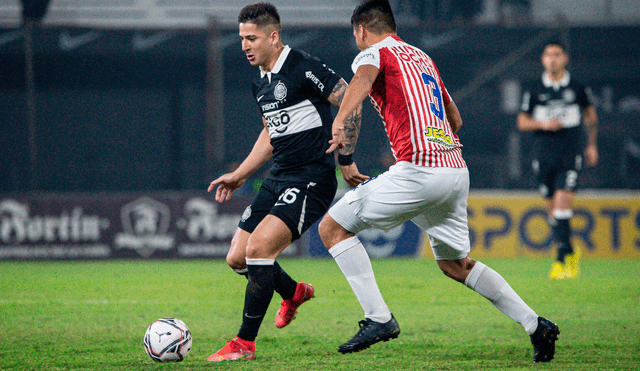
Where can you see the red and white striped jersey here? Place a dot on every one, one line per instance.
(410, 96)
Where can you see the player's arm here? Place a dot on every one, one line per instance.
(346, 125)
(259, 155)
(352, 123)
(527, 123)
(590, 120)
(453, 116)
(357, 90)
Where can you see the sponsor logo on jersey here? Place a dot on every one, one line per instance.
(363, 56)
(315, 80)
(280, 91)
(437, 135)
(328, 68)
(269, 106)
(278, 122)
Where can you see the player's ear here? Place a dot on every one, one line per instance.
(274, 36)
(362, 32)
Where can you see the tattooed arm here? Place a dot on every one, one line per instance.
(350, 129)
(352, 123)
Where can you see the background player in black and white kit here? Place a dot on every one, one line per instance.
(294, 93)
(561, 114)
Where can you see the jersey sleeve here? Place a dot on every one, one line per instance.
(318, 76)
(585, 97)
(254, 92)
(370, 56)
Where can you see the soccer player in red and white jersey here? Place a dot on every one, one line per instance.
(428, 184)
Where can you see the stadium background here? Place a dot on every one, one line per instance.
(115, 116)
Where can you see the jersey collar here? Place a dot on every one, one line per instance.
(283, 56)
(556, 85)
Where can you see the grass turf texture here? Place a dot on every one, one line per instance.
(93, 315)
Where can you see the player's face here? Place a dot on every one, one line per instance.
(259, 44)
(554, 59)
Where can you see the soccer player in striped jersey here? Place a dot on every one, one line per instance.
(428, 184)
(559, 111)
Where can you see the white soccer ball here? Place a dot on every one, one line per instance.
(168, 340)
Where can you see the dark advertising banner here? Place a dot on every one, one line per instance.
(113, 225)
(151, 225)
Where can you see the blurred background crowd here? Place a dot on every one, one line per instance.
(130, 95)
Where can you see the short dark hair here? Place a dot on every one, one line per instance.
(374, 15)
(555, 43)
(260, 14)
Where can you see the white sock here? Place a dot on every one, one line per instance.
(354, 262)
(242, 272)
(488, 283)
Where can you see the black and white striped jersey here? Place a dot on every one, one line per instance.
(293, 100)
(564, 100)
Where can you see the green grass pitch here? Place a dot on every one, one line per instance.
(92, 316)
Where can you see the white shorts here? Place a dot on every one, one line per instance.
(433, 198)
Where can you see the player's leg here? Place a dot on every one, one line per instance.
(447, 228)
(300, 206)
(558, 268)
(236, 257)
(562, 212)
(365, 207)
(446, 225)
(237, 260)
(547, 175)
(266, 242)
(353, 260)
(491, 285)
(566, 182)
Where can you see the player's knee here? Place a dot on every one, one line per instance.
(323, 228)
(236, 263)
(329, 231)
(456, 269)
(256, 251)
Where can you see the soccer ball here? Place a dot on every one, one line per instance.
(167, 340)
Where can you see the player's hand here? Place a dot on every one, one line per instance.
(351, 175)
(591, 155)
(337, 140)
(226, 184)
(551, 125)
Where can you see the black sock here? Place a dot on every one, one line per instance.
(562, 235)
(284, 284)
(256, 300)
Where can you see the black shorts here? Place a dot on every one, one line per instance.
(557, 173)
(298, 204)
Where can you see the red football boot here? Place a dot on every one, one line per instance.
(235, 350)
(289, 307)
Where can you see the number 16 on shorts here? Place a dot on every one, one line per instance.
(288, 197)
